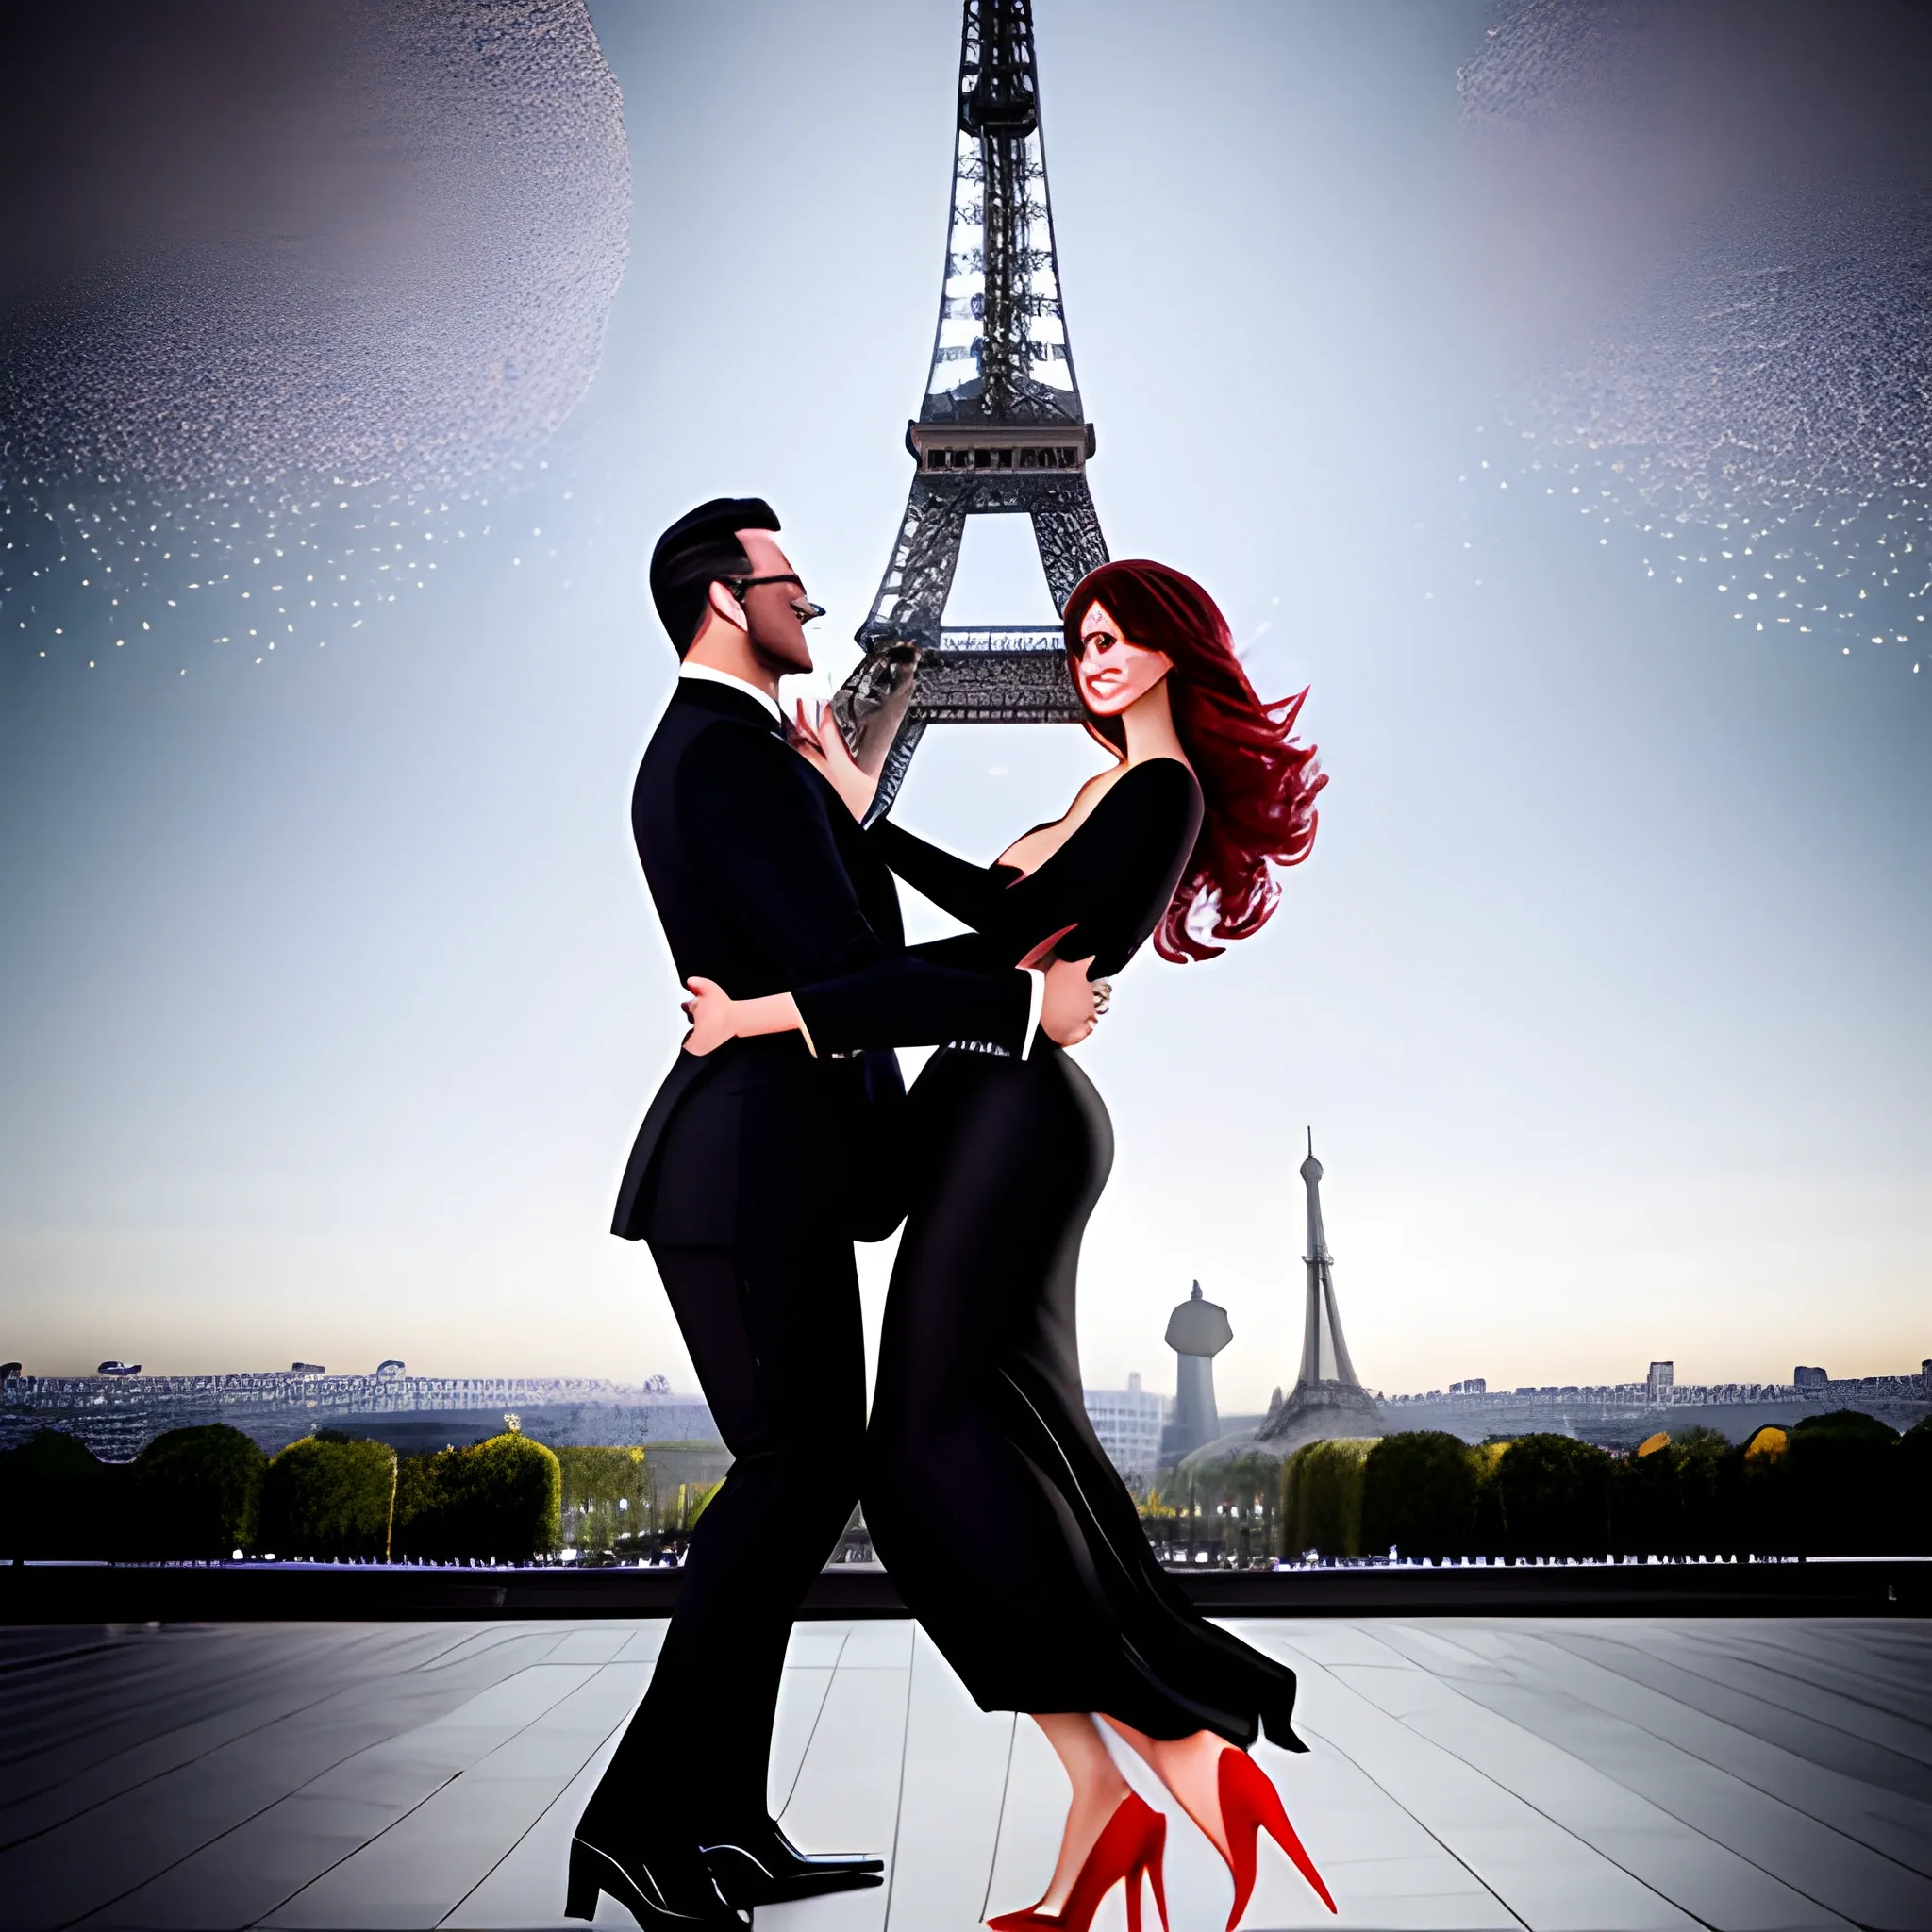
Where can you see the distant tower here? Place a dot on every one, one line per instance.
(1328, 1397)
(1197, 1331)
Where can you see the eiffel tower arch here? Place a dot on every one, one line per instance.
(1001, 430)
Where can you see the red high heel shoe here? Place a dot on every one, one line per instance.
(1129, 1848)
(1250, 1805)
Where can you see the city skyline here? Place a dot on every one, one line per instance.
(1142, 1431)
(392, 1374)
(329, 996)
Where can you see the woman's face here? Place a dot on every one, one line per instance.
(1111, 673)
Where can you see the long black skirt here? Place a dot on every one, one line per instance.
(988, 1497)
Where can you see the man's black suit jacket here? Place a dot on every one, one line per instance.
(765, 883)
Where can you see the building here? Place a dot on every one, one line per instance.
(1197, 1331)
(1658, 1383)
(117, 1415)
(1620, 1415)
(1806, 1380)
(1130, 1422)
(1476, 1385)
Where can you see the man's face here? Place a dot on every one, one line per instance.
(773, 620)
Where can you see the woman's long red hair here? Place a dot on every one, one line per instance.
(1258, 785)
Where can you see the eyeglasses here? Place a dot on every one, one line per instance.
(801, 604)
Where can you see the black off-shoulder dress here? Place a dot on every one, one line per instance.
(988, 1497)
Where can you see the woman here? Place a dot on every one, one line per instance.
(987, 1493)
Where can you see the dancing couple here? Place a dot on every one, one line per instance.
(783, 1134)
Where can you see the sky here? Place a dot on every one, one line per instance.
(331, 996)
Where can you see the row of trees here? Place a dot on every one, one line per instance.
(1836, 1484)
(1841, 1483)
(204, 1493)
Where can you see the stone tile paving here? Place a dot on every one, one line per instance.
(1538, 1774)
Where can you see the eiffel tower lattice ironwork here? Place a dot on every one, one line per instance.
(1328, 1398)
(1001, 430)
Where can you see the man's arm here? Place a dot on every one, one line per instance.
(753, 817)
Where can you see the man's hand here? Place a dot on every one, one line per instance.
(716, 1017)
(711, 1011)
(823, 745)
(1071, 1010)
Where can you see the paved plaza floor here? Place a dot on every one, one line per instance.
(1548, 1773)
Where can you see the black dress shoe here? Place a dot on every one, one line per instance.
(760, 1866)
(664, 1891)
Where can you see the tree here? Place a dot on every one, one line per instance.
(1552, 1494)
(1419, 1495)
(1322, 1496)
(1843, 1471)
(1708, 1478)
(424, 1524)
(197, 1495)
(327, 1496)
(1644, 1501)
(1913, 1488)
(606, 1495)
(1239, 1494)
(1678, 1497)
(1763, 1503)
(56, 1500)
(501, 1499)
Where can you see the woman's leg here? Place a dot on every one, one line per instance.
(1098, 1788)
(1190, 1768)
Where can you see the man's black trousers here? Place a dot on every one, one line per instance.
(774, 1331)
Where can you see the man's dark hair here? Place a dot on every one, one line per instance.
(701, 546)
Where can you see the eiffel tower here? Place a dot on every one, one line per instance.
(1328, 1398)
(1000, 432)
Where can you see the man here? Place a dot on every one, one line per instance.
(755, 1168)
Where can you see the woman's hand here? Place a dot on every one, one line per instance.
(713, 1016)
(823, 745)
(1071, 1010)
